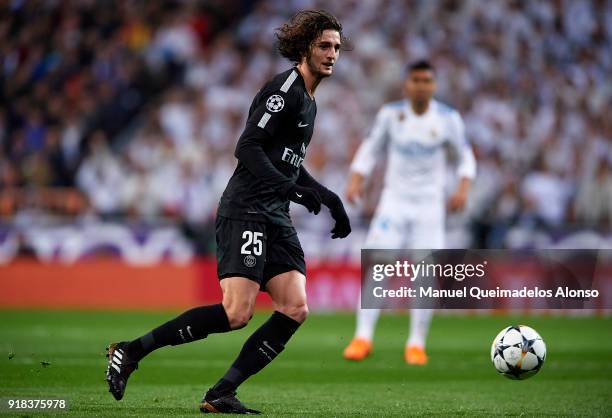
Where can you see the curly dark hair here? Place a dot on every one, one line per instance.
(296, 36)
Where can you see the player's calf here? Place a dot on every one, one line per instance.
(263, 346)
(192, 325)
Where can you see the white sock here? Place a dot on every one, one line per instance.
(366, 322)
(419, 326)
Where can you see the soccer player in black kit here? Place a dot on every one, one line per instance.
(257, 246)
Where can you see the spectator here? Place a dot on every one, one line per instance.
(593, 204)
(531, 78)
(545, 195)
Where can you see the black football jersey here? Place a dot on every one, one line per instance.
(280, 123)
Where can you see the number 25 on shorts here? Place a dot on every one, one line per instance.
(252, 239)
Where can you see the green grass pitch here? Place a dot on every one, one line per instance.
(310, 378)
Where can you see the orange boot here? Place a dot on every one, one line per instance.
(416, 355)
(358, 349)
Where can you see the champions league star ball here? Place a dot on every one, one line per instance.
(518, 352)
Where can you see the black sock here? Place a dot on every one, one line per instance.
(189, 326)
(258, 351)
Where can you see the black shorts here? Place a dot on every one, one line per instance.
(256, 250)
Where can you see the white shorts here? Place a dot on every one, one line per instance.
(415, 223)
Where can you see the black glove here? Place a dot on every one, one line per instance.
(306, 197)
(336, 208)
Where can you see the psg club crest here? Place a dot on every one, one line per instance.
(250, 261)
(275, 103)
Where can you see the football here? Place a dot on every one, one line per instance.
(518, 352)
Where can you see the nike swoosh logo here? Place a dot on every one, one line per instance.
(302, 124)
(265, 343)
(298, 195)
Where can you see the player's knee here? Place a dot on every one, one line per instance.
(238, 319)
(238, 314)
(297, 312)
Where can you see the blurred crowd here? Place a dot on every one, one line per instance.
(75, 76)
(134, 107)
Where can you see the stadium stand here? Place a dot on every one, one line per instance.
(119, 128)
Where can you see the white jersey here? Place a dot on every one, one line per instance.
(415, 146)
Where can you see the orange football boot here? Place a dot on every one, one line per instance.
(358, 349)
(415, 355)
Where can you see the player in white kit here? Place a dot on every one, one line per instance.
(413, 133)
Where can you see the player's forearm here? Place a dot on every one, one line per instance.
(306, 180)
(467, 163)
(356, 178)
(372, 148)
(365, 159)
(354, 188)
(257, 162)
(330, 199)
(465, 183)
